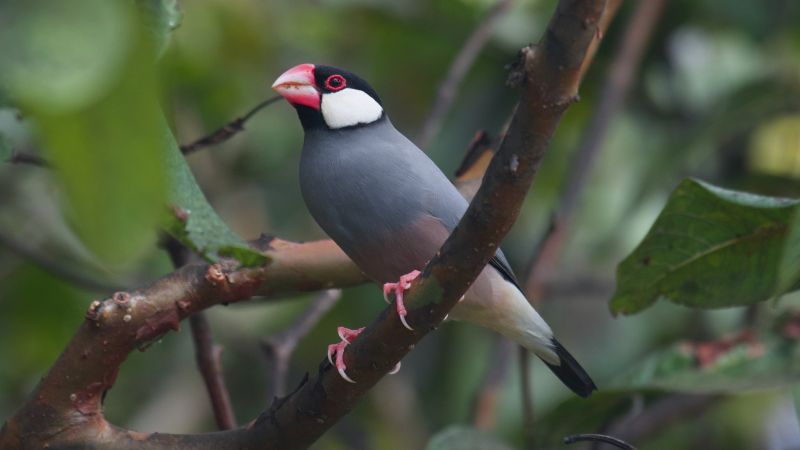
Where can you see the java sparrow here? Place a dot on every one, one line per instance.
(390, 208)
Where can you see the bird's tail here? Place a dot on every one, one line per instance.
(570, 372)
(531, 331)
(497, 304)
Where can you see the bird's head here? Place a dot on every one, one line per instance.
(329, 97)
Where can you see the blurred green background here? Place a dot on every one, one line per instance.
(716, 97)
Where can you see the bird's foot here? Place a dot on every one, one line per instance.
(399, 289)
(347, 335)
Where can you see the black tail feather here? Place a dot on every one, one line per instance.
(570, 372)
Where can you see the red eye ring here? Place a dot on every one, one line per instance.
(335, 83)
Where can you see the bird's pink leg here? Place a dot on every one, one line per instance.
(399, 289)
(347, 335)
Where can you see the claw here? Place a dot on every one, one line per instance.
(387, 288)
(346, 335)
(399, 289)
(395, 369)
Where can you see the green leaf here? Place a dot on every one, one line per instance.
(789, 271)
(63, 55)
(459, 437)
(709, 248)
(192, 220)
(160, 17)
(81, 72)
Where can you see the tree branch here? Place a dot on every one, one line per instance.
(69, 396)
(208, 357)
(228, 130)
(617, 84)
(278, 348)
(458, 69)
(619, 443)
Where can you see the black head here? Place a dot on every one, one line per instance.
(329, 97)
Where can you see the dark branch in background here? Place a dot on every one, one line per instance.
(484, 408)
(458, 69)
(222, 134)
(18, 157)
(207, 354)
(619, 443)
(663, 413)
(228, 130)
(619, 81)
(70, 395)
(55, 267)
(279, 347)
(528, 418)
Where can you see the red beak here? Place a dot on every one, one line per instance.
(298, 87)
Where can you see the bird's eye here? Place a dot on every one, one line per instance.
(335, 83)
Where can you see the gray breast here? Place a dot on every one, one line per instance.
(378, 196)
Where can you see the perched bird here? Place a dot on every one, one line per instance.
(390, 208)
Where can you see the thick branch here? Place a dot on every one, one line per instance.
(70, 395)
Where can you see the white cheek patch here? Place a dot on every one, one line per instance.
(349, 107)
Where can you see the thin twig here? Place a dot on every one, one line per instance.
(619, 443)
(279, 347)
(222, 134)
(228, 130)
(55, 267)
(619, 81)
(661, 414)
(18, 157)
(207, 355)
(484, 409)
(458, 69)
(528, 417)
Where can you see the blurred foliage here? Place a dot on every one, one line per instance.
(464, 438)
(709, 248)
(717, 98)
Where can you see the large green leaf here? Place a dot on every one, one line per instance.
(192, 220)
(709, 248)
(160, 18)
(789, 271)
(81, 72)
(84, 72)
